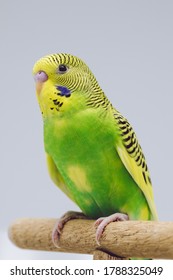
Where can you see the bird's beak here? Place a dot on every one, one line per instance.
(40, 78)
(38, 87)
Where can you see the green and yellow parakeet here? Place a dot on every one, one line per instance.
(92, 151)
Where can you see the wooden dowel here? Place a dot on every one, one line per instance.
(101, 255)
(142, 239)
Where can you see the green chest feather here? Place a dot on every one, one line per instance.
(83, 149)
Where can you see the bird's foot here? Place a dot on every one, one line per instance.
(61, 222)
(102, 222)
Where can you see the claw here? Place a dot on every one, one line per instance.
(102, 222)
(61, 222)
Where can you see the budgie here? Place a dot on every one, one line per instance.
(92, 152)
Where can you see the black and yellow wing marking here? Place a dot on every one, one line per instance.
(133, 159)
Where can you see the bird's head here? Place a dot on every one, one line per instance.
(65, 84)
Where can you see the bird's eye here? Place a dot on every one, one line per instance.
(62, 69)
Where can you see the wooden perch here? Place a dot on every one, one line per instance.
(142, 239)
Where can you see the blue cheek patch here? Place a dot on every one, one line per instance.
(64, 91)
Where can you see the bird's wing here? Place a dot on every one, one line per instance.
(133, 159)
(56, 176)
